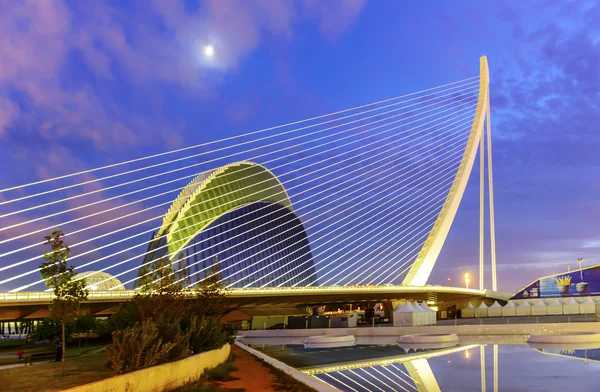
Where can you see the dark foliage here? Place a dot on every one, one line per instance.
(166, 321)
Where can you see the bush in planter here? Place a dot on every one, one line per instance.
(168, 321)
(208, 333)
(137, 347)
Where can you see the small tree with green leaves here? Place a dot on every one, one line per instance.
(59, 276)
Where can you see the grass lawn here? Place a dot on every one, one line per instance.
(79, 370)
(11, 343)
(9, 356)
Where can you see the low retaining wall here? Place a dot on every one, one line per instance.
(160, 377)
(485, 329)
(311, 381)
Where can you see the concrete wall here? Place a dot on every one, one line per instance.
(160, 377)
(490, 329)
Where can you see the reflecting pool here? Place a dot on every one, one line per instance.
(478, 364)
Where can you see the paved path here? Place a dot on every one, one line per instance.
(14, 365)
(252, 375)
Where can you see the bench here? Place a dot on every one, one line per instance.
(41, 356)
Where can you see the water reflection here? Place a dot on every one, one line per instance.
(464, 368)
(583, 351)
(425, 346)
(402, 373)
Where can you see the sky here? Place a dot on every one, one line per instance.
(84, 84)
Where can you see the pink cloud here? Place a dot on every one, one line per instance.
(34, 42)
(335, 16)
(39, 36)
(9, 111)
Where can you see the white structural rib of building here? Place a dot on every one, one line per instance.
(421, 269)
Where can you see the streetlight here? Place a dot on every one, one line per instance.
(467, 279)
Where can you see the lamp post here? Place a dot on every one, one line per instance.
(467, 279)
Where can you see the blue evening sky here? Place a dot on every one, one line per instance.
(84, 84)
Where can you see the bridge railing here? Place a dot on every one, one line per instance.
(48, 296)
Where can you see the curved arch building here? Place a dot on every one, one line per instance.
(236, 221)
(102, 281)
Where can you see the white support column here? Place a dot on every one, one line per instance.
(482, 360)
(481, 210)
(495, 368)
(491, 198)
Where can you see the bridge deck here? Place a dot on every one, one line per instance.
(34, 305)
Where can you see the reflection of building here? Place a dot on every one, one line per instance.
(100, 281)
(586, 354)
(580, 283)
(237, 221)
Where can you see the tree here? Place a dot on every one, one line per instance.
(210, 299)
(68, 293)
(164, 296)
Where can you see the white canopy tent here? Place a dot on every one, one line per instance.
(482, 310)
(524, 309)
(538, 308)
(431, 316)
(510, 309)
(571, 307)
(587, 306)
(469, 311)
(554, 307)
(420, 315)
(495, 310)
(406, 315)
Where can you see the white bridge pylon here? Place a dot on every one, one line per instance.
(427, 257)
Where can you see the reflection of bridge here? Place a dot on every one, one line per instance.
(366, 201)
(386, 374)
(410, 371)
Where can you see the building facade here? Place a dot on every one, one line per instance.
(236, 223)
(579, 283)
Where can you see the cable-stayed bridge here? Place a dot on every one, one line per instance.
(358, 199)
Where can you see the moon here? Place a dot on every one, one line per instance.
(209, 50)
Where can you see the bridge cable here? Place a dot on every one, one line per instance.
(276, 244)
(190, 176)
(15, 264)
(72, 246)
(196, 155)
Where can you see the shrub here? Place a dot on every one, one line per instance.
(136, 348)
(208, 333)
(166, 322)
